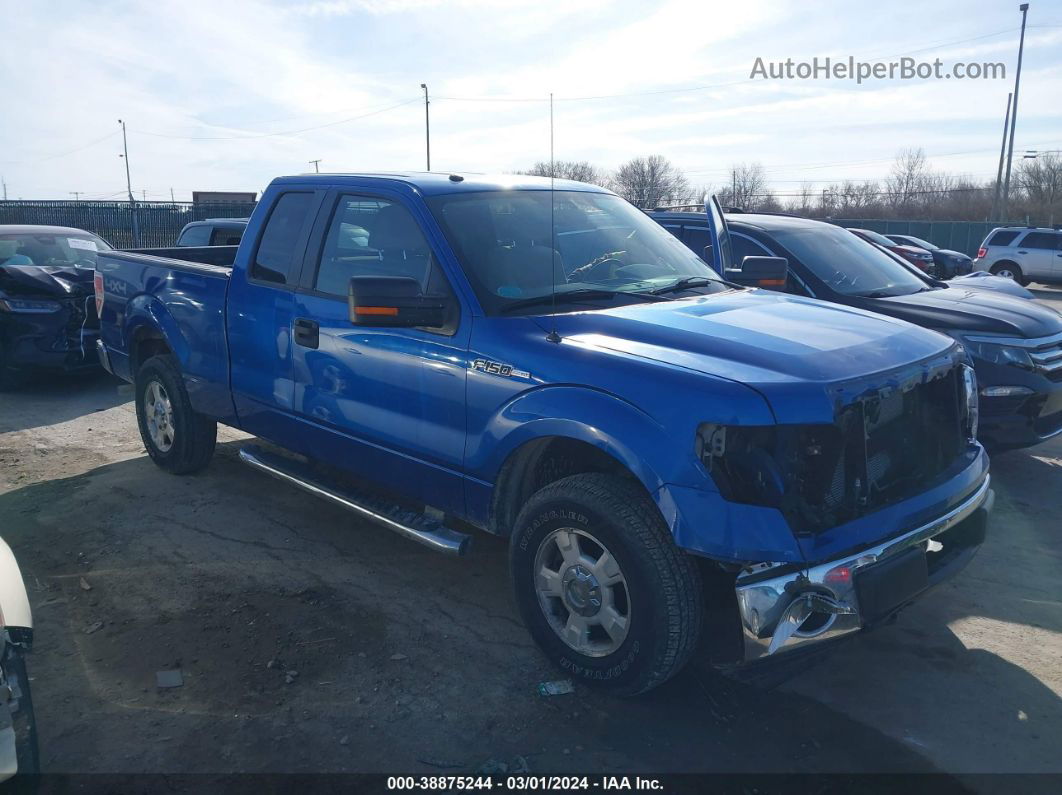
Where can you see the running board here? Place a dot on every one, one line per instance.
(417, 527)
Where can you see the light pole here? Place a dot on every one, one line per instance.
(76, 194)
(316, 165)
(1024, 8)
(427, 128)
(129, 188)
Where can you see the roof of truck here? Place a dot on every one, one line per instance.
(432, 183)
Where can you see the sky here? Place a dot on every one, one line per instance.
(225, 95)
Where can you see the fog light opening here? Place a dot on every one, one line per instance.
(1005, 391)
(815, 624)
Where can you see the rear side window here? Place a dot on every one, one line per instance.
(698, 238)
(1040, 240)
(276, 258)
(226, 236)
(195, 236)
(1002, 238)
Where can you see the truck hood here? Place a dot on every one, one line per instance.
(964, 309)
(45, 281)
(792, 350)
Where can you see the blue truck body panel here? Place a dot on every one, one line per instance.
(408, 409)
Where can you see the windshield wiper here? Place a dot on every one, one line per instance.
(682, 284)
(582, 294)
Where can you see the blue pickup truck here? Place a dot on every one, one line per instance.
(681, 464)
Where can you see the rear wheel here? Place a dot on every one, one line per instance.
(1010, 270)
(177, 438)
(601, 585)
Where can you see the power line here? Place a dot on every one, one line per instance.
(282, 132)
(61, 154)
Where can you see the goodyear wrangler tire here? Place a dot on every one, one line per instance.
(601, 586)
(177, 438)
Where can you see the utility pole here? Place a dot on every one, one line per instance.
(172, 200)
(1002, 154)
(129, 187)
(427, 128)
(76, 194)
(4, 183)
(1024, 8)
(316, 165)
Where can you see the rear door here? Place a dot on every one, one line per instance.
(261, 308)
(385, 403)
(1037, 250)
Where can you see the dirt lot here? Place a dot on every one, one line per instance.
(311, 642)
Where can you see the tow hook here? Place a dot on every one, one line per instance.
(799, 610)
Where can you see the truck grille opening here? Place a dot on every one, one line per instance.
(886, 445)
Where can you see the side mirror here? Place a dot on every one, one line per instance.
(769, 272)
(395, 301)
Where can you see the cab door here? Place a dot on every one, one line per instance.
(385, 403)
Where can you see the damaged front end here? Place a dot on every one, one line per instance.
(48, 318)
(886, 501)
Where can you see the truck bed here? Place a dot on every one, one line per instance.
(184, 299)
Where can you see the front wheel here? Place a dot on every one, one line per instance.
(601, 585)
(177, 438)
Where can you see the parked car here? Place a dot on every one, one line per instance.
(551, 366)
(212, 232)
(18, 726)
(1015, 345)
(947, 263)
(47, 316)
(983, 280)
(1024, 254)
(919, 257)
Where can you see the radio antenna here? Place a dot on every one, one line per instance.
(553, 336)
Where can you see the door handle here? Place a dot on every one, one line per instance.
(307, 332)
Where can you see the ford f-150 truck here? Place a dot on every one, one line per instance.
(674, 458)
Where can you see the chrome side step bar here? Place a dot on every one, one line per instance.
(417, 527)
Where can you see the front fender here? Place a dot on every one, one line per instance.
(14, 602)
(598, 418)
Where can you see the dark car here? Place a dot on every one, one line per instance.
(947, 263)
(212, 232)
(1015, 344)
(47, 309)
(917, 256)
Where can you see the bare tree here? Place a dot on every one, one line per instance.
(1040, 181)
(579, 170)
(909, 179)
(747, 187)
(649, 182)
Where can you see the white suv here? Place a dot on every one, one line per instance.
(1024, 254)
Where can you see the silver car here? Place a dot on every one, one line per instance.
(18, 730)
(1024, 254)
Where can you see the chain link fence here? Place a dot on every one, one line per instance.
(122, 224)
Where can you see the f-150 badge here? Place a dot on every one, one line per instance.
(497, 368)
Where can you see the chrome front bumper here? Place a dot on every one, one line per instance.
(783, 612)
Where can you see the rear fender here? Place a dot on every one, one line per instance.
(14, 602)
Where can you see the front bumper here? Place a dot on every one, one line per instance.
(780, 612)
(1011, 422)
(50, 342)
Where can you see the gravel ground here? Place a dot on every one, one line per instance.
(309, 641)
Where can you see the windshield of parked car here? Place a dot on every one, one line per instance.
(847, 264)
(874, 237)
(76, 250)
(917, 241)
(515, 246)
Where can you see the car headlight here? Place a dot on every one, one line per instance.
(29, 306)
(992, 352)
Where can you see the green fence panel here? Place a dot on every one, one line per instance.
(964, 236)
(123, 225)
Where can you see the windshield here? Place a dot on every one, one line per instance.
(76, 250)
(917, 241)
(847, 264)
(598, 242)
(874, 237)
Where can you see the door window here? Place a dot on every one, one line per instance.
(1040, 240)
(698, 238)
(277, 256)
(374, 237)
